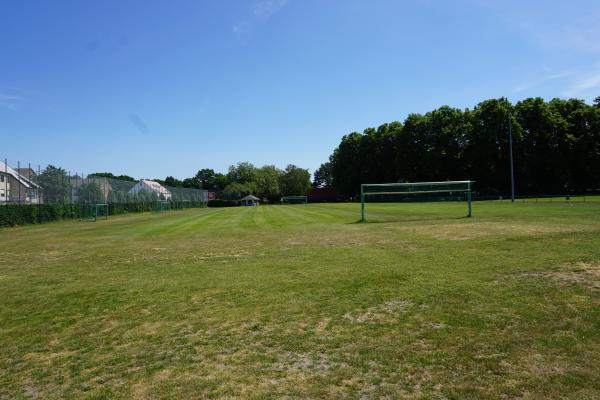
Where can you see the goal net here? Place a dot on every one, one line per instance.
(94, 211)
(421, 192)
(294, 200)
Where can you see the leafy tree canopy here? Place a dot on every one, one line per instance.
(322, 176)
(112, 176)
(295, 181)
(556, 148)
(56, 184)
(174, 182)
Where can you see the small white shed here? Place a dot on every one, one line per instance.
(250, 200)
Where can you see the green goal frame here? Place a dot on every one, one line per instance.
(163, 206)
(416, 188)
(94, 211)
(294, 200)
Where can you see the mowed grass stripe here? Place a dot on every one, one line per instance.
(296, 217)
(316, 215)
(276, 218)
(196, 221)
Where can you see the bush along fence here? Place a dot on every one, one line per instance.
(22, 214)
(223, 203)
(35, 195)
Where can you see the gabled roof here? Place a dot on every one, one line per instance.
(24, 181)
(26, 172)
(250, 197)
(155, 185)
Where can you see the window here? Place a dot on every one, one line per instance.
(1, 178)
(1, 192)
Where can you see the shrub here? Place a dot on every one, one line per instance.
(223, 203)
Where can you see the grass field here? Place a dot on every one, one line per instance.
(263, 302)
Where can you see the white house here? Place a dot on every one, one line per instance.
(151, 186)
(16, 188)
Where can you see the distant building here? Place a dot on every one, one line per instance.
(16, 188)
(325, 194)
(250, 200)
(151, 186)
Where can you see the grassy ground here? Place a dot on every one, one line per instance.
(262, 302)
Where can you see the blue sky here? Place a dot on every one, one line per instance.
(156, 88)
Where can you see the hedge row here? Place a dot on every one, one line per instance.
(21, 214)
(223, 203)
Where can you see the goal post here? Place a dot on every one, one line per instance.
(294, 200)
(94, 211)
(417, 191)
(162, 206)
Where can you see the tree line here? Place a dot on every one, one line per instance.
(556, 148)
(267, 182)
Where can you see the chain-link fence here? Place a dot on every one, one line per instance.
(31, 194)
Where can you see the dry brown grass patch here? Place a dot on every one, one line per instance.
(473, 230)
(322, 325)
(379, 313)
(583, 273)
(304, 362)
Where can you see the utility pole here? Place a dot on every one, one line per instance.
(512, 170)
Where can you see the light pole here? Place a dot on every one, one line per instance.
(510, 150)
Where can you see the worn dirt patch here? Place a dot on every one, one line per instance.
(304, 362)
(150, 328)
(583, 273)
(347, 240)
(48, 357)
(467, 231)
(380, 313)
(322, 325)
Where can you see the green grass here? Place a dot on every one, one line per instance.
(303, 301)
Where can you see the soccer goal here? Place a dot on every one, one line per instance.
(94, 211)
(416, 192)
(162, 206)
(294, 200)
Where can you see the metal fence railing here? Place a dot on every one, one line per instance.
(591, 197)
(34, 194)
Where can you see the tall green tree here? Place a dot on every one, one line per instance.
(112, 176)
(191, 183)
(538, 157)
(322, 177)
(221, 181)
(207, 179)
(236, 190)
(174, 182)
(556, 148)
(268, 182)
(346, 164)
(243, 172)
(56, 184)
(295, 181)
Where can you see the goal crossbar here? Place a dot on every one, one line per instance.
(292, 199)
(399, 184)
(420, 192)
